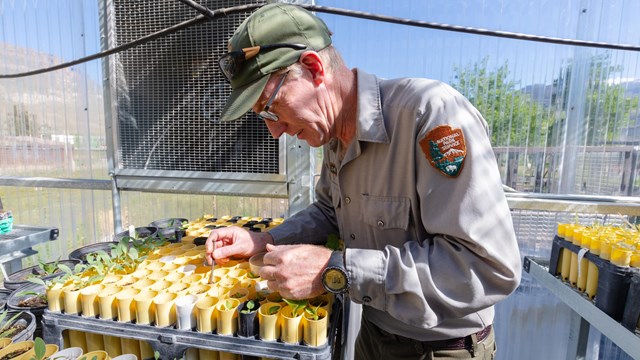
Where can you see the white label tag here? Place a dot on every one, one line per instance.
(581, 254)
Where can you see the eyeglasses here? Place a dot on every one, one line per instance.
(265, 114)
(229, 63)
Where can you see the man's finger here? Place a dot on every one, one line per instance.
(210, 246)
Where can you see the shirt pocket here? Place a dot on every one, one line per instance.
(386, 212)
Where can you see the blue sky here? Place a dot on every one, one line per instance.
(388, 50)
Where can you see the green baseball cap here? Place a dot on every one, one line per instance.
(271, 24)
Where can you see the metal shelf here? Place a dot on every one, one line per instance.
(621, 336)
(17, 245)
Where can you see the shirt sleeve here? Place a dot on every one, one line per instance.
(313, 224)
(468, 258)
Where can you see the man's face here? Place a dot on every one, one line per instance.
(298, 108)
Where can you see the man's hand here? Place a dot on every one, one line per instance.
(235, 241)
(295, 270)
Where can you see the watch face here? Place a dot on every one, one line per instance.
(335, 280)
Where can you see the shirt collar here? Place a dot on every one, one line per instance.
(370, 122)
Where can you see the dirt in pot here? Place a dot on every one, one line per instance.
(14, 354)
(13, 330)
(33, 302)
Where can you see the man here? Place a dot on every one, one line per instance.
(409, 182)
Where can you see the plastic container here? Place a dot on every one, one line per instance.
(82, 252)
(20, 277)
(27, 319)
(613, 286)
(631, 316)
(4, 295)
(17, 296)
(142, 232)
(172, 343)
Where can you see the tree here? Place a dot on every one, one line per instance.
(608, 109)
(514, 118)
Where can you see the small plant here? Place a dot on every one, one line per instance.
(237, 295)
(40, 349)
(297, 306)
(33, 299)
(313, 312)
(273, 310)
(249, 307)
(45, 269)
(156, 355)
(6, 323)
(333, 242)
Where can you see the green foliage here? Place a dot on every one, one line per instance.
(249, 307)
(273, 310)
(297, 306)
(40, 349)
(6, 322)
(514, 118)
(333, 242)
(45, 268)
(313, 312)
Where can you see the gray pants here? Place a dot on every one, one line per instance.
(374, 343)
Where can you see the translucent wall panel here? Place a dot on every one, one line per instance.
(51, 124)
(563, 119)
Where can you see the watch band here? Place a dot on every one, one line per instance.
(334, 276)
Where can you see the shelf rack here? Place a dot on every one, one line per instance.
(17, 244)
(588, 313)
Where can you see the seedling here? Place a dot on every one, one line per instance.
(249, 307)
(297, 306)
(5, 325)
(40, 349)
(273, 310)
(45, 269)
(313, 312)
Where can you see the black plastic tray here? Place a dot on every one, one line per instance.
(172, 343)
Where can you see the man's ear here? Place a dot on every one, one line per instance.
(312, 62)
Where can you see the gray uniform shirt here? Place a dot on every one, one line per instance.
(428, 254)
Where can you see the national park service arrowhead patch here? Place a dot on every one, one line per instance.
(445, 149)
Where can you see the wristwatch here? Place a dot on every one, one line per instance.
(334, 276)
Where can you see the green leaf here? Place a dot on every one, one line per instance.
(65, 269)
(40, 348)
(333, 242)
(273, 310)
(36, 281)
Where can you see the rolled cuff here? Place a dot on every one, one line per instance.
(366, 271)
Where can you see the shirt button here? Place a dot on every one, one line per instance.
(366, 298)
(380, 223)
(352, 236)
(347, 200)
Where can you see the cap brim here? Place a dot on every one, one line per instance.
(242, 99)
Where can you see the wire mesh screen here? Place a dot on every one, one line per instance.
(170, 94)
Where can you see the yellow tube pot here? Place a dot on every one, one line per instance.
(112, 345)
(95, 355)
(200, 290)
(22, 347)
(111, 279)
(94, 341)
(55, 298)
(206, 316)
(108, 303)
(126, 281)
(291, 329)
(165, 309)
(314, 327)
(227, 315)
(89, 300)
(268, 319)
(178, 288)
(174, 277)
(126, 305)
(71, 298)
(145, 309)
(130, 346)
(143, 284)
(4, 342)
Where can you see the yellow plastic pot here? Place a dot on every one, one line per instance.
(143, 284)
(126, 305)
(154, 266)
(174, 276)
(291, 326)
(94, 341)
(111, 279)
(23, 346)
(49, 349)
(161, 286)
(227, 314)
(112, 345)
(165, 309)
(130, 346)
(315, 330)
(77, 339)
(207, 318)
(126, 281)
(269, 323)
(95, 355)
(240, 293)
(191, 279)
(55, 301)
(108, 303)
(89, 300)
(4, 342)
(71, 298)
(145, 310)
